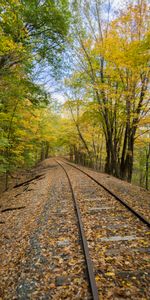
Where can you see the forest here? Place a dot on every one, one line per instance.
(98, 54)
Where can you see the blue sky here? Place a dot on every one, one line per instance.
(43, 74)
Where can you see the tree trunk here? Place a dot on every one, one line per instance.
(147, 167)
(128, 164)
(108, 159)
(42, 152)
(46, 149)
(6, 180)
(71, 153)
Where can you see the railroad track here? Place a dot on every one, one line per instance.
(122, 201)
(122, 210)
(54, 265)
(90, 271)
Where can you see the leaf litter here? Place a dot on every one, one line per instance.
(41, 254)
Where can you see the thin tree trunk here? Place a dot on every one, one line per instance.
(147, 167)
(6, 180)
(46, 149)
(42, 152)
(71, 153)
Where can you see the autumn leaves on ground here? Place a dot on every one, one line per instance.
(41, 254)
(74, 82)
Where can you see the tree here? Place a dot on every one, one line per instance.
(36, 27)
(31, 32)
(113, 55)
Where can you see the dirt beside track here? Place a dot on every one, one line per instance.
(41, 255)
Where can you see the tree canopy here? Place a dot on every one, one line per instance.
(104, 121)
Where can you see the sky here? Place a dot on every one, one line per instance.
(43, 73)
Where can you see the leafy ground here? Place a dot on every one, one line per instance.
(41, 256)
(136, 196)
(118, 242)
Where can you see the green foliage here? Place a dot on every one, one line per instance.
(30, 32)
(40, 26)
(107, 93)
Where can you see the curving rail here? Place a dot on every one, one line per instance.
(89, 265)
(122, 201)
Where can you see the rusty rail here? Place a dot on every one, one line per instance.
(122, 201)
(89, 264)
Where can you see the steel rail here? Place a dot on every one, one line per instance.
(122, 201)
(89, 264)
